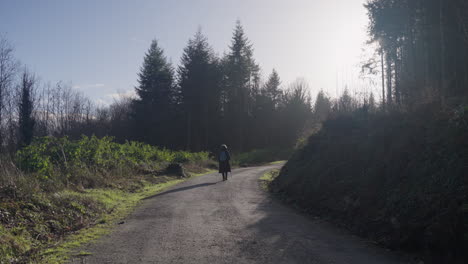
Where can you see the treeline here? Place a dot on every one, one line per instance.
(423, 49)
(203, 102)
(396, 173)
(208, 100)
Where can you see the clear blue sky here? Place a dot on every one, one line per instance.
(98, 45)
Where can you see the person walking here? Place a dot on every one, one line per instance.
(224, 158)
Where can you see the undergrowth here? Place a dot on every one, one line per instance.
(399, 179)
(268, 178)
(57, 194)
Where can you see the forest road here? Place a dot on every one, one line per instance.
(206, 220)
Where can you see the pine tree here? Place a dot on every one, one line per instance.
(266, 113)
(154, 110)
(295, 112)
(26, 120)
(322, 107)
(241, 75)
(272, 90)
(372, 105)
(199, 81)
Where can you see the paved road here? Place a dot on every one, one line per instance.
(205, 220)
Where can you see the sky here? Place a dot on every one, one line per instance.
(97, 46)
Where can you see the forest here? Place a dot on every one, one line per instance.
(421, 50)
(388, 166)
(63, 157)
(204, 102)
(397, 174)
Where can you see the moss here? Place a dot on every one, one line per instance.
(268, 177)
(13, 245)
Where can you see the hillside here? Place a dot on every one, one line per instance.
(399, 179)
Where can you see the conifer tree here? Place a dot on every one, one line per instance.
(25, 109)
(266, 112)
(322, 107)
(154, 109)
(272, 90)
(199, 79)
(241, 75)
(295, 111)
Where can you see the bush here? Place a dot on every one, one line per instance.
(36, 207)
(71, 161)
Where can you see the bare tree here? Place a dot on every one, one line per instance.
(8, 67)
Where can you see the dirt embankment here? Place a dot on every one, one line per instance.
(399, 179)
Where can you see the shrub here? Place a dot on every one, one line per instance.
(50, 157)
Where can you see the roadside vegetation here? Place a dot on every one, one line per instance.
(261, 156)
(395, 171)
(55, 187)
(267, 179)
(390, 166)
(399, 179)
(67, 164)
(57, 193)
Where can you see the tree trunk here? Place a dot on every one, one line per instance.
(189, 131)
(1, 109)
(383, 77)
(443, 74)
(397, 79)
(389, 80)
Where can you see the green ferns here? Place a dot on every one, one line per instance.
(47, 156)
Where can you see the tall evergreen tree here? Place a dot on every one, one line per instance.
(26, 120)
(266, 112)
(322, 107)
(295, 112)
(154, 109)
(199, 81)
(241, 75)
(272, 89)
(421, 42)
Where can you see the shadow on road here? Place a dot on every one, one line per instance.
(298, 238)
(182, 189)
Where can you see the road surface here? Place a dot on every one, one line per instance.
(205, 220)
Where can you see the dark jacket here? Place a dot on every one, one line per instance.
(224, 166)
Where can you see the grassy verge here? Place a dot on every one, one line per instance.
(269, 176)
(57, 194)
(278, 162)
(109, 207)
(120, 203)
(262, 156)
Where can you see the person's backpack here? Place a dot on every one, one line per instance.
(223, 156)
